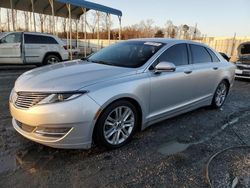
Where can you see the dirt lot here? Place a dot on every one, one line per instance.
(173, 153)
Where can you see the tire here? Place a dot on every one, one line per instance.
(111, 130)
(220, 95)
(51, 59)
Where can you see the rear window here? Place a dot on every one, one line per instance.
(214, 57)
(37, 39)
(200, 54)
(245, 49)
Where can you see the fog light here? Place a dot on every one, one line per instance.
(52, 132)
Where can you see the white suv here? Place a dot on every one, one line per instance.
(31, 48)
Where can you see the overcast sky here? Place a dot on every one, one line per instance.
(214, 17)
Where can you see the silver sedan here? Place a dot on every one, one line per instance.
(123, 88)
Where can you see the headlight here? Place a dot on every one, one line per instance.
(60, 97)
(13, 96)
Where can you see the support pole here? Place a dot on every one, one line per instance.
(233, 45)
(120, 27)
(33, 12)
(70, 30)
(0, 20)
(12, 15)
(77, 45)
(53, 15)
(98, 29)
(85, 32)
(67, 32)
(109, 25)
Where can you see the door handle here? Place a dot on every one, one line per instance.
(188, 71)
(215, 68)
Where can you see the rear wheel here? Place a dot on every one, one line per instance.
(51, 59)
(220, 95)
(116, 125)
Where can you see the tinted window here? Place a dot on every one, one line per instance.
(126, 54)
(12, 38)
(37, 39)
(200, 54)
(176, 54)
(214, 57)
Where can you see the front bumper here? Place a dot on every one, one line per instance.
(75, 117)
(242, 73)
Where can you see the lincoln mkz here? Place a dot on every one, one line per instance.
(123, 88)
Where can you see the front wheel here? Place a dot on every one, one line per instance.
(220, 95)
(116, 125)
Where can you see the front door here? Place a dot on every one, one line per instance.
(11, 48)
(171, 91)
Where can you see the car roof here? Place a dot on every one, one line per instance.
(33, 33)
(168, 41)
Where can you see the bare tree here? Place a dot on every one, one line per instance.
(185, 29)
(42, 18)
(26, 20)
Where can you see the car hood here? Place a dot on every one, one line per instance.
(68, 76)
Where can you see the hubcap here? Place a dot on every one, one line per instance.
(221, 94)
(119, 125)
(52, 60)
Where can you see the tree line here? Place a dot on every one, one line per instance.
(144, 29)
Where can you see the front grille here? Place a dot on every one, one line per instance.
(29, 99)
(243, 66)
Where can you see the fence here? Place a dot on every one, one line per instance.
(226, 44)
(221, 44)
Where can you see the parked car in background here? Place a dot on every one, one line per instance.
(31, 48)
(120, 89)
(226, 57)
(243, 63)
(75, 51)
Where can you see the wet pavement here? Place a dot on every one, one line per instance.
(172, 153)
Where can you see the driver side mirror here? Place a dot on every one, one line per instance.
(164, 67)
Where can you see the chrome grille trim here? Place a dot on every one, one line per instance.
(28, 99)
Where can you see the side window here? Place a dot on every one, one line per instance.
(51, 40)
(37, 39)
(214, 57)
(200, 54)
(176, 54)
(32, 39)
(12, 38)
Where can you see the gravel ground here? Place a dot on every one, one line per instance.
(172, 153)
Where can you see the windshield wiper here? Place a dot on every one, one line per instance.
(100, 62)
(85, 59)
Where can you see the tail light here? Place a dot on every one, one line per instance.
(65, 47)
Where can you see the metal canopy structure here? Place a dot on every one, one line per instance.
(92, 6)
(42, 7)
(71, 9)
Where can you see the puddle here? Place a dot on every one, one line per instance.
(172, 147)
(7, 163)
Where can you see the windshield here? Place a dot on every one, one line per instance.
(245, 49)
(130, 54)
(2, 34)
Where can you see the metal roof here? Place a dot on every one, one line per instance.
(60, 8)
(93, 6)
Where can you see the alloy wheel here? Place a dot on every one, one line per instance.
(119, 125)
(221, 94)
(52, 60)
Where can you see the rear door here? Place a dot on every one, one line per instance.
(206, 71)
(11, 48)
(36, 46)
